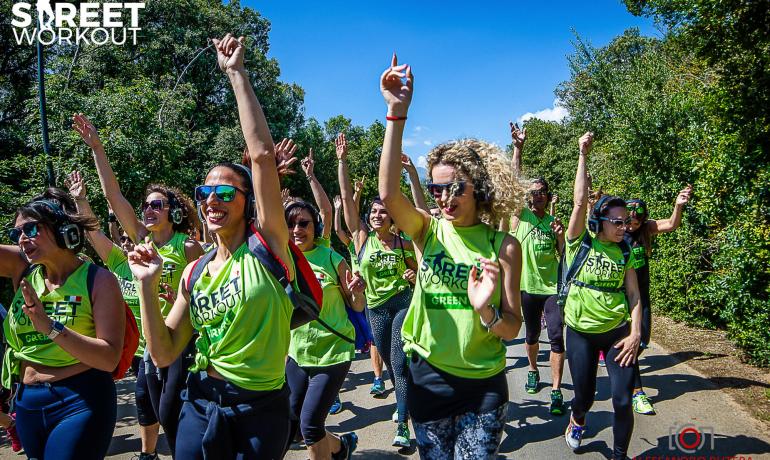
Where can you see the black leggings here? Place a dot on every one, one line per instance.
(165, 390)
(646, 332)
(313, 390)
(145, 412)
(583, 357)
(532, 306)
(386, 321)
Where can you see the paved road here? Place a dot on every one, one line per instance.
(681, 396)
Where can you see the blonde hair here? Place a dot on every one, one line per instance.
(490, 172)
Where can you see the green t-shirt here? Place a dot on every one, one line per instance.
(243, 317)
(313, 345)
(383, 270)
(540, 261)
(588, 310)
(441, 325)
(321, 241)
(353, 256)
(174, 263)
(70, 304)
(117, 263)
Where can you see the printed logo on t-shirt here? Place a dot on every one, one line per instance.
(640, 255)
(543, 240)
(168, 272)
(440, 269)
(385, 264)
(607, 271)
(64, 311)
(215, 310)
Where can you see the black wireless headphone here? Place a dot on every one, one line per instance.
(67, 234)
(176, 211)
(316, 216)
(600, 208)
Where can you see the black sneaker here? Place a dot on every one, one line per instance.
(557, 402)
(348, 444)
(147, 456)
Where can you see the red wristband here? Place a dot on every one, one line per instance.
(392, 118)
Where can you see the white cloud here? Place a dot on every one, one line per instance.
(555, 113)
(409, 142)
(422, 161)
(428, 143)
(418, 128)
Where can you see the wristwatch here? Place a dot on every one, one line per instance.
(56, 329)
(495, 320)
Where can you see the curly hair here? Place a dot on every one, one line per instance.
(45, 214)
(490, 172)
(177, 200)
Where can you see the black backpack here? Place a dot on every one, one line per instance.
(566, 278)
(306, 299)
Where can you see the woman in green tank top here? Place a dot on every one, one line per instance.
(64, 331)
(467, 294)
(237, 306)
(319, 360)
(168, 217)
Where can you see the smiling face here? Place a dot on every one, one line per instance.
(40, 248)
(460, 210)
(302, 228)
(634, 224)
(156, 219)
(379, 217)
(611, 231)
(538, 196)
(220, 215)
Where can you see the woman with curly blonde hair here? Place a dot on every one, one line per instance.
(466, 299)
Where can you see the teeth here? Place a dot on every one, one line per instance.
(216, 214)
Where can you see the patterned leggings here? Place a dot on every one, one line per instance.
(464, 437)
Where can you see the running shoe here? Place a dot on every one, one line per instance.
(336, 407)
(147, 456)
(642, 404)
(533, 381)
(394, 417)
(403, 437)
(557, 402)
(574, 434)
(378, 387)
(602, 363)
(348, 442)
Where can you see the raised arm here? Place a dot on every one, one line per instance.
(349, 208)
(123, 209)
(577, 221)
(267, 187)
(518, 136)
(112, 225)
(99, 241)
(554, 200)
(341, 233)
(319, 195)
(414, 183)
(673, 222)
(358, 192)
(398, 96)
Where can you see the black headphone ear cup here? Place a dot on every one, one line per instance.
(249, 209)
(176, 216)
(68, 236)
(200, 213)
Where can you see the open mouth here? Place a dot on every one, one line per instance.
(215, 216)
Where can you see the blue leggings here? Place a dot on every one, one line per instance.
(229, 422)
(361, 326)
(386, 321)
(145, 413)
(73, 418)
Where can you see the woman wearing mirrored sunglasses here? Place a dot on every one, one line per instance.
(64, 333)
(602, 309)
(167, 218)
(236, 404)
(385, 260)
(640, 233)
(467, 297)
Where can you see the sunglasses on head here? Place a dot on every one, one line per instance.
(224, 193)
(30, 230)
(456, 188)
(300, 223)
(155, 205)
(636, 209)
(617, 222)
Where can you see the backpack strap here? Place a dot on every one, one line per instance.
(198, 267)
(360, 254)
(568, 278)
(93, 269)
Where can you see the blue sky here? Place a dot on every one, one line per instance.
(476, 65)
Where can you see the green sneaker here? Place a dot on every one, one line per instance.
(533, 381)
(403, 437)
(557, 402)
(378, 387)
(642, 404)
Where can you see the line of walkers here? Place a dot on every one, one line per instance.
(227, 365)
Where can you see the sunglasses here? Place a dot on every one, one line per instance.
(617, 222)
(454, 188)
(538, 193)
(300, 223)
(224, 193)
(155, 205)
(30, 230)
(639, 210)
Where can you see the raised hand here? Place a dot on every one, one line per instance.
(410, 275)
(230, 53)
(34, 309)
(337, 202)
(684, 196)
(285, 196)
(145, 263)
(284, 156)
(554, 199)
(558, 228)
(308, 163)
(359, 185)
(76, 185)
(87, 131)
(341, 147)
(481, 288)
(585, 142)
(167, 293)
(407, 164)
(397, 93)
(355, 283)
(518, 136)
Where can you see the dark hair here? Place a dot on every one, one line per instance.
(601, 208)
(45, 214)
(176, 200)
(241, 170)
(293, 209)
(543, 182)
(643, 234)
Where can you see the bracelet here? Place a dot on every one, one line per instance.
(495, 320)
(394, 118)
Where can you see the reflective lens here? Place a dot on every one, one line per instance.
(454, 188)
(301, 223)
(638, 210)
(29, 229)
(224, 193)
(538, 193)
(618, 222)
(155, 205)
